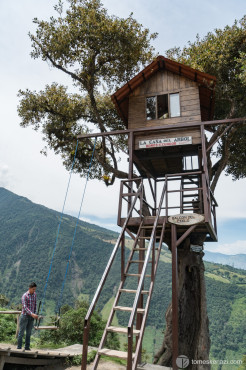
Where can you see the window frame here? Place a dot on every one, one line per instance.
(156, 106)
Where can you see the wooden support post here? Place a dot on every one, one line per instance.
(175, 313)
(204, 152)
(2, 362)
(17, 326)
(130, 171)
(122, 257)
(85, 346)
(130, 345)
(139, 318)
(155, 200)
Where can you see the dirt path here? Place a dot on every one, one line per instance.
(103, 365)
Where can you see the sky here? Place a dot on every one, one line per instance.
(26, 172)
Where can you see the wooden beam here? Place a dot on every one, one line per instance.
(162, 128)
(175, 311)
(186, 233)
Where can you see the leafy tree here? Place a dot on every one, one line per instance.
(7, 327)
(3, 300)
(222, 53)
(99, 52)
(72, 325)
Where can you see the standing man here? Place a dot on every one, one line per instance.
(28, 314)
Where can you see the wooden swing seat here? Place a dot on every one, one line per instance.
(45, 327)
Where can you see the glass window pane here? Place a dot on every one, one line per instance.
(174, 105)
(151, 107)
(162, 106)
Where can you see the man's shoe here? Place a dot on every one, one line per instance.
(27, 349)
(18, 347)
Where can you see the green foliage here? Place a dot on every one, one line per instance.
(222, 54)
(7, 326)
(99, 52)
(3, 300)
(72, 325)
(243, 366)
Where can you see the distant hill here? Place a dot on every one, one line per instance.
(237, 260)
(27, 236)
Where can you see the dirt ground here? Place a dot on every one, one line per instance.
(103, 365)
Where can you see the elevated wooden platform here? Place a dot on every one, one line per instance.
(37, 357)
(134, 222)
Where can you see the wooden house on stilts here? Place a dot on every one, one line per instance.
(166, 198)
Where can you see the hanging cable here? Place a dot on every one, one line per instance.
(58, 230)
(71, 248)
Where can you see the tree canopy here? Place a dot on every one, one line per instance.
(222, 53)
(99, 52)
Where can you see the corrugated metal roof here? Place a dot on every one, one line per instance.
(205, 82)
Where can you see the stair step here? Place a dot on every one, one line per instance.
(189, 195)
(144, 237)
(138, 261)
(190, 182)
(149, 227)
(128, 309)
(128, 194)
(113, 353)
(137, 275)
(142, 249)
(133, 291)
(117, 329)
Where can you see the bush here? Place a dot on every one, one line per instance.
(7, 326)
(72, 326)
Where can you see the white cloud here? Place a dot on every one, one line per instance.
(101, 223)
(237, 247)
(231, 198)
(4, 175)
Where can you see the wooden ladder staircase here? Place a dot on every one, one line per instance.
(140, 272)
(190, 194)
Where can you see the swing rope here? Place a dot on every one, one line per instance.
(78, 217)
(58, 230)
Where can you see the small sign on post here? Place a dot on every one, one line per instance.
(186, 219)
(168, 141)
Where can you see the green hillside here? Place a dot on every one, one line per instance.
(27, 236)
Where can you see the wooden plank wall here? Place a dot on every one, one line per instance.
(161, 83)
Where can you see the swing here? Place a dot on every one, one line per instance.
(37, 325)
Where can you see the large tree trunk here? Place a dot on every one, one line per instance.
(194, 339)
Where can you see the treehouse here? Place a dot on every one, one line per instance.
(166, 198)
(163, 107)
(171, 96)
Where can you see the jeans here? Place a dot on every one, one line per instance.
(26, 323)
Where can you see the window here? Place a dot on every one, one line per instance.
(174, 105)
(151, 107)
(162, 106)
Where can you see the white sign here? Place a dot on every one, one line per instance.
(186, 219)
(171, 141)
